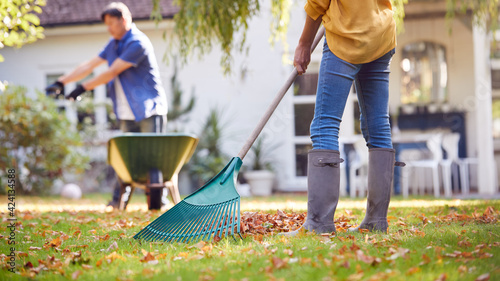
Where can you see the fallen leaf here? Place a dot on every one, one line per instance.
(161, 256)
(110, 258)
(281, 213)
(346, 264)
(441, 277)
(21, 254)
(76, 274)
(184, 254)
(28, 217)
(354, 247)
(484, 277)
(54, 243)
(364, 258)
(355, 277)
(413, 270)
(379, 276)
(148, 272)
(148, 257)
(198, 245)
(104, 238)
(464, 243)
(425, 260)
(489, 211)
(462, 268)
(278, 263)
(112, 247)
(305, 261)
(29, 274)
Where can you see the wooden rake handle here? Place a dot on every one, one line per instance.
(272, 107)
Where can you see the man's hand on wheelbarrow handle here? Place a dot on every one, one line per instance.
(55, 90)
(75, 94)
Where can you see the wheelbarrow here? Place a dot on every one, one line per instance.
(150, 161)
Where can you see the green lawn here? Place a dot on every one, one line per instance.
(428, 239)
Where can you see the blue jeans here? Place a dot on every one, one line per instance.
(371, 81)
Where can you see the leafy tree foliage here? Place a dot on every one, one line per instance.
(202, 24)
(19, 23)
(484, 12)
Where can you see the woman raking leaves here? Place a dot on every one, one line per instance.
(360, 41)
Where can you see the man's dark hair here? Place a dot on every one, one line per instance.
(116, 9)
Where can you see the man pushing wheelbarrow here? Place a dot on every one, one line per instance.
(133, 82)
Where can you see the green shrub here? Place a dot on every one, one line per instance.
(36, 140)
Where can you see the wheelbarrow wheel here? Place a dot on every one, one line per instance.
(154, 190)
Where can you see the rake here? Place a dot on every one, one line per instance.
(214, 209)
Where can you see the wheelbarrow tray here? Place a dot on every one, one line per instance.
(133, 155)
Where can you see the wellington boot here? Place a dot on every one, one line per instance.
(323, 181)
(380, 174)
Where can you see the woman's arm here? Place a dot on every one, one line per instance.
(303, 51)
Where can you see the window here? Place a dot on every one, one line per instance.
(495, 78)
(304, 100)
(51, 78)
(303, 116)
(84, 115)
(496, 117)
(425, 74)
(301, 159)
(495, 73)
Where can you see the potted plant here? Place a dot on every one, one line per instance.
(260, 177)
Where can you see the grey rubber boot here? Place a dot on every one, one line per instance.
(381, 163)
(323, 183)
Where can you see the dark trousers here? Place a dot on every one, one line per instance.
(153, 124)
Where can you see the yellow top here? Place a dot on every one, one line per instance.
(357, 31)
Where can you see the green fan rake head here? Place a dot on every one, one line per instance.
(213, 210)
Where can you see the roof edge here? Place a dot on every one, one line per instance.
(92, 22)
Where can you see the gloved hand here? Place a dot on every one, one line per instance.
(55, 90)
(76, 92)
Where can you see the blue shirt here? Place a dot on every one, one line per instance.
(141, 82)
